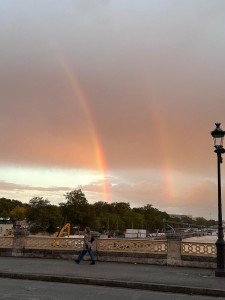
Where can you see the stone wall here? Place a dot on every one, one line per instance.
(171, 257)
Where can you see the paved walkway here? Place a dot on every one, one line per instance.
(149, 277)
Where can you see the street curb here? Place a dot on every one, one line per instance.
(118, 283)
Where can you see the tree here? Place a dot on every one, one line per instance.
(153, 217)
(120, 207)
(101, 208)
(7, 205)
(18, 213)
(77, 211)
(43, 215)
(54, 217)
(201, 221)
(188, 220)
(99, 216)
(211, 223)
(38, 202)
(138, 220)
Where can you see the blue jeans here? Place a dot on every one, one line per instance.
(90, 252)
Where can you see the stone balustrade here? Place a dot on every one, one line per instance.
(132, 245)
(172, 251)
(48, 243)
(198, 249)
(6, 242)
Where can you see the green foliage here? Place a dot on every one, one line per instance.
(204, 222)
(100, 216)
(211, 223)
(119, 208)
(38, 202)
(34, 229)
(77, 211)
(101, 208)
(43, 215)
(54, 217)
(7, 206)
(201, 221)
(18, 213)
(188, 220)
(153, 218)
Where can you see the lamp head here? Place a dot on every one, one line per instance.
(218, 135)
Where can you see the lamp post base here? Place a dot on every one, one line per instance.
(220, 270)
(220, 273)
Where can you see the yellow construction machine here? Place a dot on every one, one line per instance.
(67, 226)
(56, 243)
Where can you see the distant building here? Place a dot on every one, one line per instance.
(5, 221)
(6, 226)
(6, 229)
(21, 224)
(180, 216)
(135, 233)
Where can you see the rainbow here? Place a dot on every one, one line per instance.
(167, 177)
(89, 116)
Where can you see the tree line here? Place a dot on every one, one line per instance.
(41, 215)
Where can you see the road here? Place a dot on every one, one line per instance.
(11, 289)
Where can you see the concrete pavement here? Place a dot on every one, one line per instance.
(13, 289)
(139, 276)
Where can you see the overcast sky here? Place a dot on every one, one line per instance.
(117, 97)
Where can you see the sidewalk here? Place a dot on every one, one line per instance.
(139, 276)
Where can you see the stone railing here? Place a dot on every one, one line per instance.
(53, 243)
(172, 251)
(132, 246)
(6, 242)
(198, 249)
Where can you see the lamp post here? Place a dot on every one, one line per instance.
(218, 135)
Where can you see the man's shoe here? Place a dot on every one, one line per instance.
(92, 263)
(77, 261)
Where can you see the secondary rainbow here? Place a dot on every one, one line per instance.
(168, 178)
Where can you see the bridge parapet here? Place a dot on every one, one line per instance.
(132, 245)
(198, 249)
(6, 242)
(48, 243)
(172, 251)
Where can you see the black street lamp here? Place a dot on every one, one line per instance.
(218, 135)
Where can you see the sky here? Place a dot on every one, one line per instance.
(116, 97)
